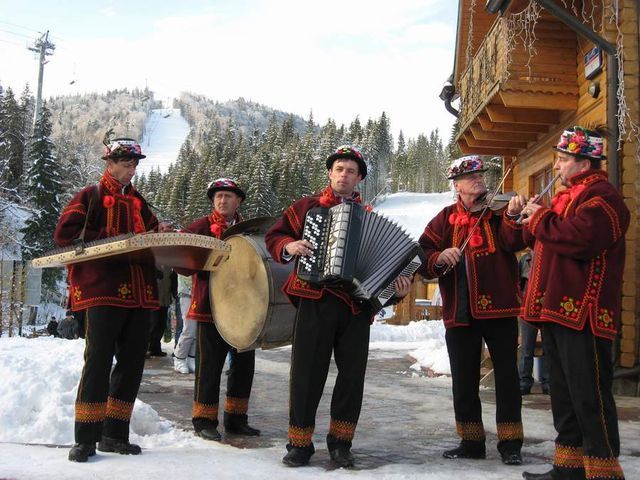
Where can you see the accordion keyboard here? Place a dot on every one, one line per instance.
(316, 226)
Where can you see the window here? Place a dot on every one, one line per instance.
(538, 181)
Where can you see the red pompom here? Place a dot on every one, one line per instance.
(216, 230)
(475, 240)
(368, 208)
(108, 201)
(452, 218)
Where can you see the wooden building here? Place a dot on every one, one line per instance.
(525, 74)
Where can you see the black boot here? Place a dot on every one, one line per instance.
(340, 452)
(511, 458)
(238, 425)
(510, 451)
(123, 447)
(342, 456)
(467, 449)
(81, 452)
(298, 456)
(539, 476)
(209, 434)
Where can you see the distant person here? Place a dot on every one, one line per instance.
(225, 196)
(116, 299)
(479, 288)
(328, 321)
(167, 291)
(68, 328)
(52, 327)
(528, 339)
(184, 352)
(575, 292)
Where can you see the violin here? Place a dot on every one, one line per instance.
(493, 202)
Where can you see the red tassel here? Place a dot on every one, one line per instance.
(475, 240)
(108, 201)
(216, 230)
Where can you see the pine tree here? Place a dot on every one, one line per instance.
(12, 144)
(44, 192)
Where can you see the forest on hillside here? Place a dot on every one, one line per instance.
(279, 158)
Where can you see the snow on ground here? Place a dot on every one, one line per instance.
(165, 132)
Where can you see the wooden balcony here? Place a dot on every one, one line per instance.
(510, 95)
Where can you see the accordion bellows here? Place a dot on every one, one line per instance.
(358, 251)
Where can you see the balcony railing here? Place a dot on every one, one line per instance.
(543, 77)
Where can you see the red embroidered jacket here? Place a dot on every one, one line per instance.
(114, 211)
(289, 229)
(578, 257)
(492, 268)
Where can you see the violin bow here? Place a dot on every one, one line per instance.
(482, 212)
(540, 197)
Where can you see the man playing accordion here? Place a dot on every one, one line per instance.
(328, 319)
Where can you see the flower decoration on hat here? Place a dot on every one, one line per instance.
(122, 148)
(224, 184)
(465, 165)
(580, 142)
(348, 152)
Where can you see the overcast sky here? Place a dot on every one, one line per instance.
(336, 58)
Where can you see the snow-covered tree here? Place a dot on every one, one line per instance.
(44, 192)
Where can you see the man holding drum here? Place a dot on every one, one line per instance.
(212, 350)
(327, 320)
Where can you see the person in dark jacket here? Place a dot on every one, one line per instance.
(116, 298)
(68, 328)
(327, 320)
(225, 196)
(480, 294)
(167, 292)
(575, 294)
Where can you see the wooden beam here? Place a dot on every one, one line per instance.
(488, 125)
(468, 150)
(540, 101)
(482, 134)
(474, 142)
(501, 114)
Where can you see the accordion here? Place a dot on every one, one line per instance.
(358, 251)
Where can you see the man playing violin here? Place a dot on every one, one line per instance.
(471, 250)
(575, 290)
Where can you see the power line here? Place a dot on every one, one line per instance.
(16, 34)
(12, 43)
(20, 26)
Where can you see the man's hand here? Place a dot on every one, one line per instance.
(529, 211)
(299, 247)
(164, 227)
(403, 286)
(449, 257)
(516, 204)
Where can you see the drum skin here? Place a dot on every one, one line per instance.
(248, 305)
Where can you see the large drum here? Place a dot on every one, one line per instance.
(249, 308)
